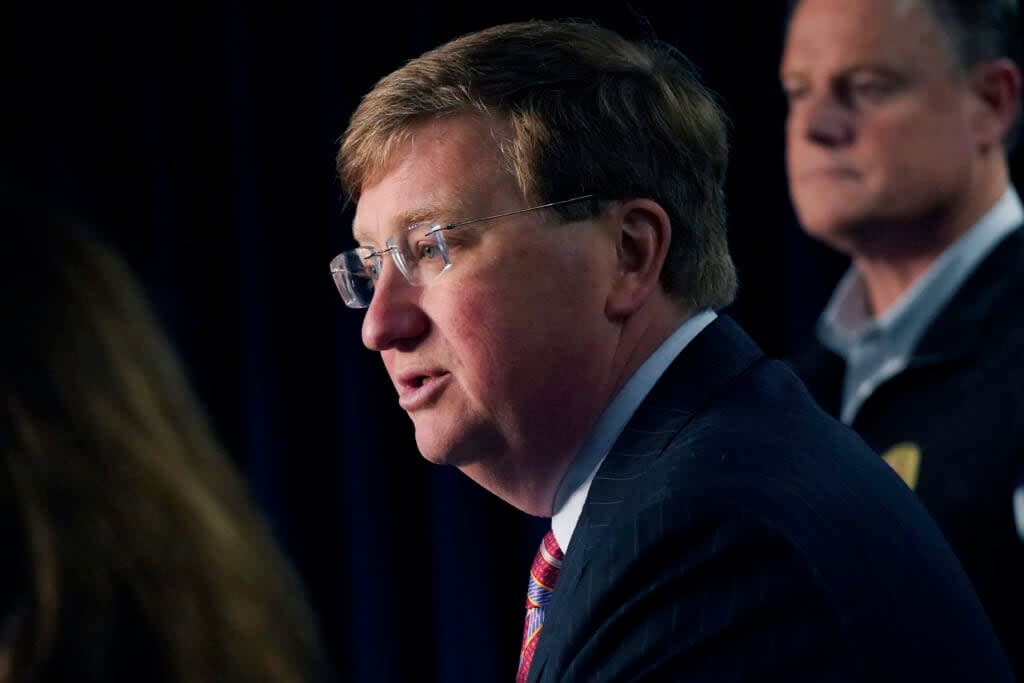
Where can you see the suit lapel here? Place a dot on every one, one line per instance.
(716, 355)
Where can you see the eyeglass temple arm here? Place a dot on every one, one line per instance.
(450, 226)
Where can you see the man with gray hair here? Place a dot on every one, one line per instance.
(541, 252)
(900, 117)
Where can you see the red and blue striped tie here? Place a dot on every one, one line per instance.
(543, 576)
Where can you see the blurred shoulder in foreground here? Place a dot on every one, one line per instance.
(134, 551)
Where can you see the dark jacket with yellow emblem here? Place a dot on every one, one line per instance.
(952, 424)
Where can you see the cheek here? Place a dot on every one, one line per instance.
(794, 141)
(490, 327)
(918, 137)
(538, 284)
(489, 352)
(527, 314)
(520, 332)
(479, 326)
(923, 159)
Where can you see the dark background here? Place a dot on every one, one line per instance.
(200, 137)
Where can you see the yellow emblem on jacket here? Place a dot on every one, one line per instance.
(905, 458)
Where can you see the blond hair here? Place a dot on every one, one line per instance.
(589, 113)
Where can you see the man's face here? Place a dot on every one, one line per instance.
(878, 131)
(502, 362)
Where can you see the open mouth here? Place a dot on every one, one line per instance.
(420, 390)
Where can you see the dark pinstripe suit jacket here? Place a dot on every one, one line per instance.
(737, 533)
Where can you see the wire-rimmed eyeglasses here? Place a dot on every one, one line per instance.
(420, 251)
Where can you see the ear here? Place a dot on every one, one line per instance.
(996, 84)
(643, 232)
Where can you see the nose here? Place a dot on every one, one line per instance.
(394, 317)
(823, 120)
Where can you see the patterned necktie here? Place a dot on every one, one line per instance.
(543, 576)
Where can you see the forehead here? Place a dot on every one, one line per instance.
(837, 34)
(440, 166)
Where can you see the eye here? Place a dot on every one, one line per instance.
(427, 250)
(793, 92)
(870, 88)
(794, 86)
(370, 262)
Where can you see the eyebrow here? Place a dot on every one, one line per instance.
(878, 68)
(426, 212)
(871, 67)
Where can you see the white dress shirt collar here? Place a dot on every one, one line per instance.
(575, 485)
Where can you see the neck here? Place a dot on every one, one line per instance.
(641, 337)
(530, 484)
(886, 281)
(891, 258)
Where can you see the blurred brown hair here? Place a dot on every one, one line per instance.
(590, 113)
(137, 553)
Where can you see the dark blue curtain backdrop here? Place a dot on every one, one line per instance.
(200, 138)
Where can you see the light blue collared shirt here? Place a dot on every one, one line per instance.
(878, 349)
(575, 486)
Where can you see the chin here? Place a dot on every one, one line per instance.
(838, 231)
(433, 452)
(457, 450)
